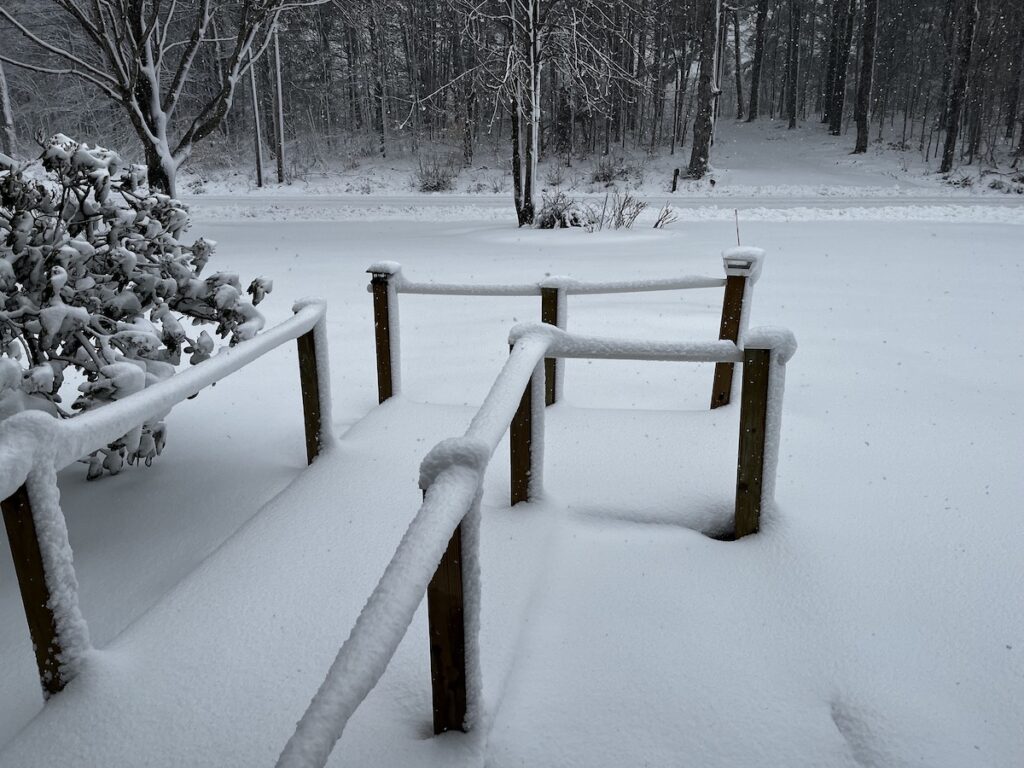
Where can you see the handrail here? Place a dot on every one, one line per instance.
(439, 551)
(742, 269)
(570, 285)
(34, 446)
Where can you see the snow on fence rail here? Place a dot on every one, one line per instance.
(742, 269)
(439, 551)
(34, 446)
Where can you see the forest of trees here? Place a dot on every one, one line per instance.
(555, 78)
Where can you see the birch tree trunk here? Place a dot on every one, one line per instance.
(8, 140)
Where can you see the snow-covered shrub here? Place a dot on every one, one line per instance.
(436, 175)
(95, 285)
(559, 211)
(555, 176)
(608, 169)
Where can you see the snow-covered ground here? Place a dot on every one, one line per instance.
(762, 159)
(876, 621)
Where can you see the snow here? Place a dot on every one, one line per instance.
(872, 621)
(562, 344)
(34, 446)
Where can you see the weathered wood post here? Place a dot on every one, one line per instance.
(384, 280)
(447, 627)
(764, 374)
(750, 461)
(520, 447)
(35, 594)
(742, 268)
(553, 299)
(309, 383)
(525, 438)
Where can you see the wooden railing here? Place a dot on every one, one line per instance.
(439, 552)
(34, 446)
(742, 269)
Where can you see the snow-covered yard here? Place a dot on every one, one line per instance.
(876, 620)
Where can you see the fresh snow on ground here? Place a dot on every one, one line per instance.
(875, 621)
(761, 159)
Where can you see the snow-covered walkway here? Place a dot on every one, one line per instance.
(241, 630)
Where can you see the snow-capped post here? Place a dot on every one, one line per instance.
(385, 276)
(313, 381)
(526, 438)
(764, 374)
(553, 310)
(742, 268)
(30, 570)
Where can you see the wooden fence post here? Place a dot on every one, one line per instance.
(741, 265)
(309, 382)
(525, 441)
(35, 594)
(447, 627)
(521, 446)
(384, 318)
(549, 298)
(753, 422)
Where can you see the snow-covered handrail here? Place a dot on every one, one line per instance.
(34, 446)
(439, 551)
(742, 269)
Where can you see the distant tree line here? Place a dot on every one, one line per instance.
(542, 78)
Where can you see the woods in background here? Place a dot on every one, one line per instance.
(529, 78)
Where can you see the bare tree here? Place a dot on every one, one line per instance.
(141, 56)
(838, 100)
(707, 89)
(862, 108)
(793, 61)
(958, 91)
(8, 140)
(758, 63)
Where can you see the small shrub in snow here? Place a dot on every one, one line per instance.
(617, 212)
(555, 176)
(436, 175)
(665, 217)
(95, 283)
(608, 169)
(558, 212)
(499, 184)
(961, 180)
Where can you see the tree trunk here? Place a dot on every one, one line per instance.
(842, 64)
(1012, 97)
(758, 63)
(8, 140)
(793, 65)
(959, 87)
(739, 71)
(862, 108)
(159, 176)
(257, 126)
(830, 70)
(703, 122)
(278, 109)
